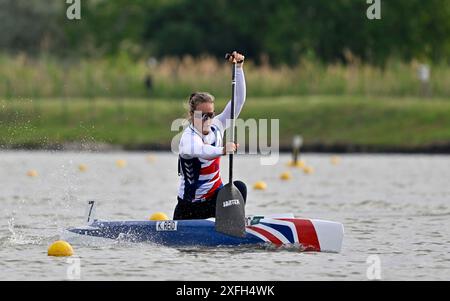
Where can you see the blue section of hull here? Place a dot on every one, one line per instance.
(187, 233)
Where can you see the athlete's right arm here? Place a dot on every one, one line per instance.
(192, 146)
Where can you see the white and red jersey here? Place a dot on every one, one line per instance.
(199, 155)
(200, 177)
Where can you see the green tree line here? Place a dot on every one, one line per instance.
(276, 31)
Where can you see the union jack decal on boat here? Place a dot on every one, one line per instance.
(287, 231)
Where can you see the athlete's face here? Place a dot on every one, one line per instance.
(203, 115)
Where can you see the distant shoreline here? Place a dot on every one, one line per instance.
(328, 124)
(312, 148)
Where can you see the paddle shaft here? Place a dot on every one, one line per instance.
(233, 86)
(230, 205)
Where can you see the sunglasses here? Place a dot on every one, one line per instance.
(209, 115)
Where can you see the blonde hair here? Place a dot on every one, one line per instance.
(197, 98)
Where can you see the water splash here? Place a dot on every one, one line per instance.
(16, 238)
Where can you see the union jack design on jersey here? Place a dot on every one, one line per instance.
(200, 178)
(282, 231)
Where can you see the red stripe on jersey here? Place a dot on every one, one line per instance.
(273, 239)
(306, 232)
(213, 189)
(212, 168)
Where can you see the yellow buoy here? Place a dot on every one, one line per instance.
(32, 173)
(60, 248)
(308, 170)
(151, 158)
(299, 164)
(121, 163)
(286, 175)
(82, 167)
(158, 216)
(335, 160)
(260, 185)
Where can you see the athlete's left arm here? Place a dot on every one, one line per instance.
(241, 91)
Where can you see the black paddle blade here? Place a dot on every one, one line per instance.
(230, 211)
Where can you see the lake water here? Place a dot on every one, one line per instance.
(396, 207)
